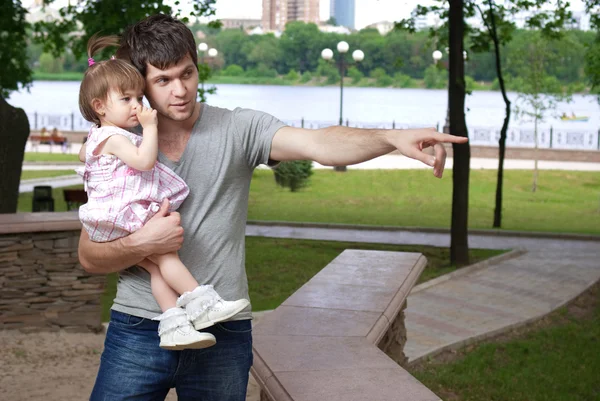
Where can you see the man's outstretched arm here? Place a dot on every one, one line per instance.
(161, 234)
(341, 146)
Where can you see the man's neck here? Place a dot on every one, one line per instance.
(168, 129)
(173, 135)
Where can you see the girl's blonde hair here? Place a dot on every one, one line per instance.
(103, 76)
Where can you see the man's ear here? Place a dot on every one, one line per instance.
(99, 107)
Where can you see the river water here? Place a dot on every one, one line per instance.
(54, 102)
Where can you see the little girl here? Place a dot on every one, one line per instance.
(125, 186)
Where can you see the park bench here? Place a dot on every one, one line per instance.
(341, 336)
(48, 139)
(75, 198)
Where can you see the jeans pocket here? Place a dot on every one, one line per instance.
(125, 320)
(235, 327)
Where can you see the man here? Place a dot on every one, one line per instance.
(215, 151)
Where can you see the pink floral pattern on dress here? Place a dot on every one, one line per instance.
(122, 199)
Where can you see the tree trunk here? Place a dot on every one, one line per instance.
(14, 131)
(459, 246)
(502, 140)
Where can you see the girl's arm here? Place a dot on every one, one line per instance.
(82, 153)
(142, 157)
(161, 234)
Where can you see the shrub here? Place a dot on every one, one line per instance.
(292, 76)
(402, 80)
(377, 73)
(233, 70)
(355, 74)
(435, 78)
(384, 81)
(306, 77)
(293, 175)
(469, 84)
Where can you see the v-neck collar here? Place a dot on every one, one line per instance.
(173, 163)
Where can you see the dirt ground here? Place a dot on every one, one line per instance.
(56, 366)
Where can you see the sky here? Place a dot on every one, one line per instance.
(367, 11)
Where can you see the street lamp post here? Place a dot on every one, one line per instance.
(342, 48)
(212, 53)
(358, 56)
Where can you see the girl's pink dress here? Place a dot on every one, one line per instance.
(122, 199)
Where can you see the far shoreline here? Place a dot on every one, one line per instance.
(318, 82)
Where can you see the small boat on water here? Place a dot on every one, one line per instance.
(574, 118)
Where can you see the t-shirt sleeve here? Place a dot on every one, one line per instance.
(256, 130)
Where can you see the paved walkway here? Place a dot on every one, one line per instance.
(384, 162)
(489, 300)
(393, 162)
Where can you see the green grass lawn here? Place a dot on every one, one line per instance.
(559, 360)
(24, 204)
(278, 267)
(30, 174)
(50, 157)
(63, 76)
(566, 201)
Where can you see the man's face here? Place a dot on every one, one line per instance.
(172, 92)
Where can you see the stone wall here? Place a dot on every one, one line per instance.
(394, 340)
(324, 342)
(42, 285)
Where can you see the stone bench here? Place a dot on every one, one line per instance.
(341, 335)
(42, 285)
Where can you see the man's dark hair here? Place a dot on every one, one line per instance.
(159, 40)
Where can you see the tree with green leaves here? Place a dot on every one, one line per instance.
(85, 17)
(539, 93)
(301, 46)
(15, 74)
(452, 32)
(592, 56)
(495, 17)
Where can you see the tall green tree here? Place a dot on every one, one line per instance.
(15, 74)
(85, 17)
(459, 243)
(592, 57)
(496, 32)
(301, 46)
(539, 92)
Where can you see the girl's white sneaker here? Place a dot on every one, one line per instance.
(205, 307)
(177, 332)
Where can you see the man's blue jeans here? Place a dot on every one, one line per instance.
(134, 367)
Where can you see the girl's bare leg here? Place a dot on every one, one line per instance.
(174, 272)
(165, 296)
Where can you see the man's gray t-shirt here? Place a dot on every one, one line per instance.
(217, 164)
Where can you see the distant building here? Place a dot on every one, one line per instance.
(423, 22)
(277, 13)
(36, 12)
(303, 10)
(581, 20)
(237, 23)
(335, 29)
(383, 27)
(344, 12)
